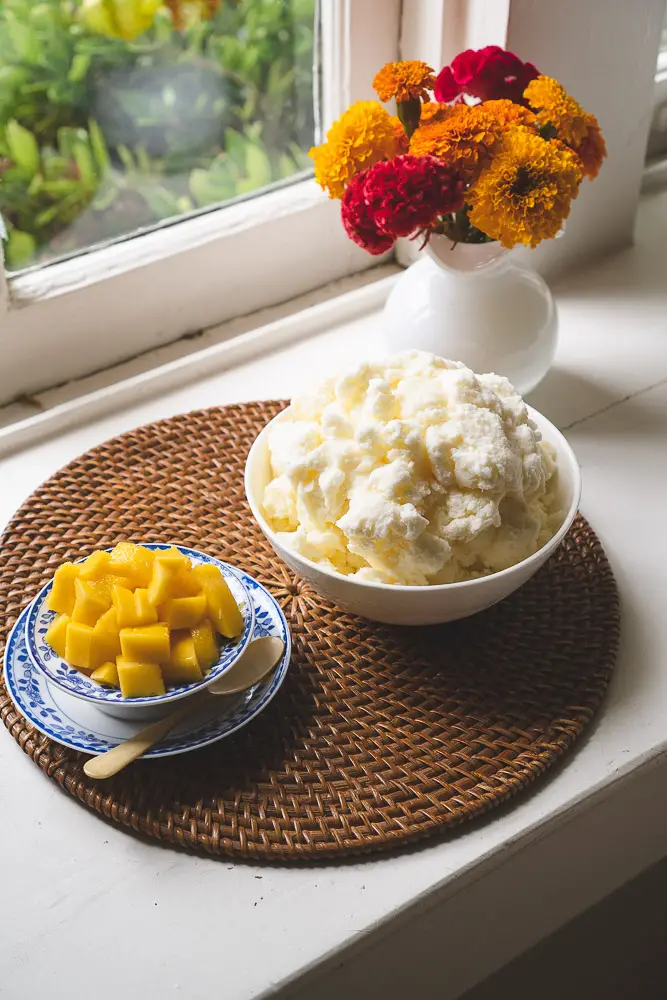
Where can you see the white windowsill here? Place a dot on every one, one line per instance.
(437, 919)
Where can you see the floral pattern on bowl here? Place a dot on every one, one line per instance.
(39, 618)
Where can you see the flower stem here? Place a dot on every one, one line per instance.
(409, 113)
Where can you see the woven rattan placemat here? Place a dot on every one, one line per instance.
(380, 735)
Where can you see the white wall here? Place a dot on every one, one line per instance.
(604, 52)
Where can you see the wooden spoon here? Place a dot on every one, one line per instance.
(257, 661)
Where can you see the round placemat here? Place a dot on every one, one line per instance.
(380, 735)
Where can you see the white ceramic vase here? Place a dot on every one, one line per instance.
(471, 303)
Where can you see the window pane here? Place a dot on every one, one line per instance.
(116, 115)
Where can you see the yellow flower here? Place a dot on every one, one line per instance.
(554, 106)
(404, 80)
(362, 136)
(525, 193)
(593, 149)
(119, 18)
(465, 136)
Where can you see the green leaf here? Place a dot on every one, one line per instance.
(208, 187)
(160, 201)
(22, 38)
(258, 167)
(99, 148)
(286, 166)
(85, 164)
(23, 147)
(235, 148)
(68, 138)
(19, 249)
(79, 68)
(126, 158)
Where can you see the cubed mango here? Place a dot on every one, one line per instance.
(123, 602)
(56, 634)
(139, 680)
(95, 566)
(106, 643)
(145, 610)
(161, 582)
(206, 644)
(146, 644)
(185, 584)
(103, 585)
(133, 562)
(88, 604)
(182, 666)
(172, 558)
(133, 608)
(61, 596)
(79, 650)
(183, 612)
(107, 674)
(221, 607)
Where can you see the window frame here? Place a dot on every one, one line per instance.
(60, 322)
(69, 318)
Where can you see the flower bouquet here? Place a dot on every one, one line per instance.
(488, 150)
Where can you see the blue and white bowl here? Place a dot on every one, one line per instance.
(110, 700)
(80, 725)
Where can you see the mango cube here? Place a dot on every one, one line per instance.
(185, 584)
(88, 604)
(79, 646)
(172, 558)
(146, 644)
(159, 588)
(183, 612)
(107, 674)
(95, 566)
(103, 586)
(133, 562)
(133, 608)
(139, 680)
(106, 644)
(61, 597)
(145, 611)
(56, 634)
(206, 644)
(221, 607)
(182, 666)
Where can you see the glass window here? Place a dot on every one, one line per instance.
(117, 116)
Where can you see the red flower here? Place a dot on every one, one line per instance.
(358, 220)
(490, 74)
(397, 198)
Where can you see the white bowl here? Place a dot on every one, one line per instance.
(399, 605)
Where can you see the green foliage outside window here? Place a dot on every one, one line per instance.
(100, 136)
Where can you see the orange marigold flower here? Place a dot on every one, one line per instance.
(404, 80)
(593, 149)
(432, 111)
(554, 106)
(525, 193)
(363, 135)
(467, 135)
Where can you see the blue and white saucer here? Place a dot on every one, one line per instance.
(81, 726)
